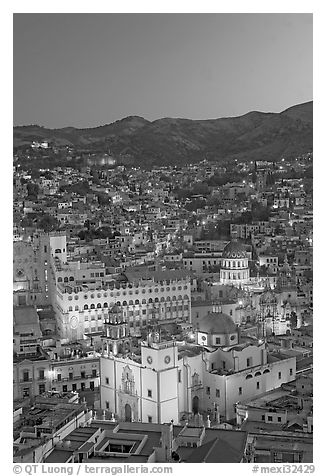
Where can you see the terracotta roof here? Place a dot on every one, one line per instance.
(215, 451)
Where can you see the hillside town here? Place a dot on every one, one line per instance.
(164, 314)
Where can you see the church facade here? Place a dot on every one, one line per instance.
(175, 382)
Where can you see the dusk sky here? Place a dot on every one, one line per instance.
(86, 70)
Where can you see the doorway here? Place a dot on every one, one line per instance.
(195, 405)
(127, 412)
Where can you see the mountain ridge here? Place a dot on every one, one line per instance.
(254, 135)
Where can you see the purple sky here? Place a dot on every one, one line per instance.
(85, 70)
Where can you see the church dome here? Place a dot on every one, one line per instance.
(217, 323)
(234, 250)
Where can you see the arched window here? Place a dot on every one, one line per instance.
(59, 279)
(266, 371)
(257, 374)
(66, 279)
(168, 298)
(131, 302)
(118, 303)
(71, 278)
(85, 307)
(150, 301)
(185, 297)
(162, 299)
(92, 306)
(137, 301)
(99, 306)
(143, 301)
(248, 376)
(156, 299)
(125, 303)
(105, 304)
(179, 298)
(70, 308)
(76, 308)
(174, 298)
(58, 250)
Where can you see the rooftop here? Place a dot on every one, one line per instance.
(25, 315)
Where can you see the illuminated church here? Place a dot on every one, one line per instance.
(166, 380)
(235, 264)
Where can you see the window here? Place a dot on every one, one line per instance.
(64, 388)
(41, 375)
(107, 380)
(249, 362)
(217, 393)
(257, 385)
(270, 418)
(240, 390)
(41, 388)
(217, 340)
(74, 387)
(94, 373)
(149, 393)
(279, 375)
(291, 372)
(263, 417)
(279, 419)
(82, 374)
(26, 392)
(208, 390)
(223, 364)
(71, 375)
(150, 419)
(179, 376)
(26, 376)
(59, 377)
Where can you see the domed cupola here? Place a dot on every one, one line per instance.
(217, 329)
(234, 250)
(235, 264)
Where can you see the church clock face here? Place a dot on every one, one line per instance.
(149, 359)
(20, 273)
(167, 359)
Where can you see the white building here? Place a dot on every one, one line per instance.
(235, 264)
(167, 382)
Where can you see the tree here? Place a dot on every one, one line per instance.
(32, 190)
(48, 223)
